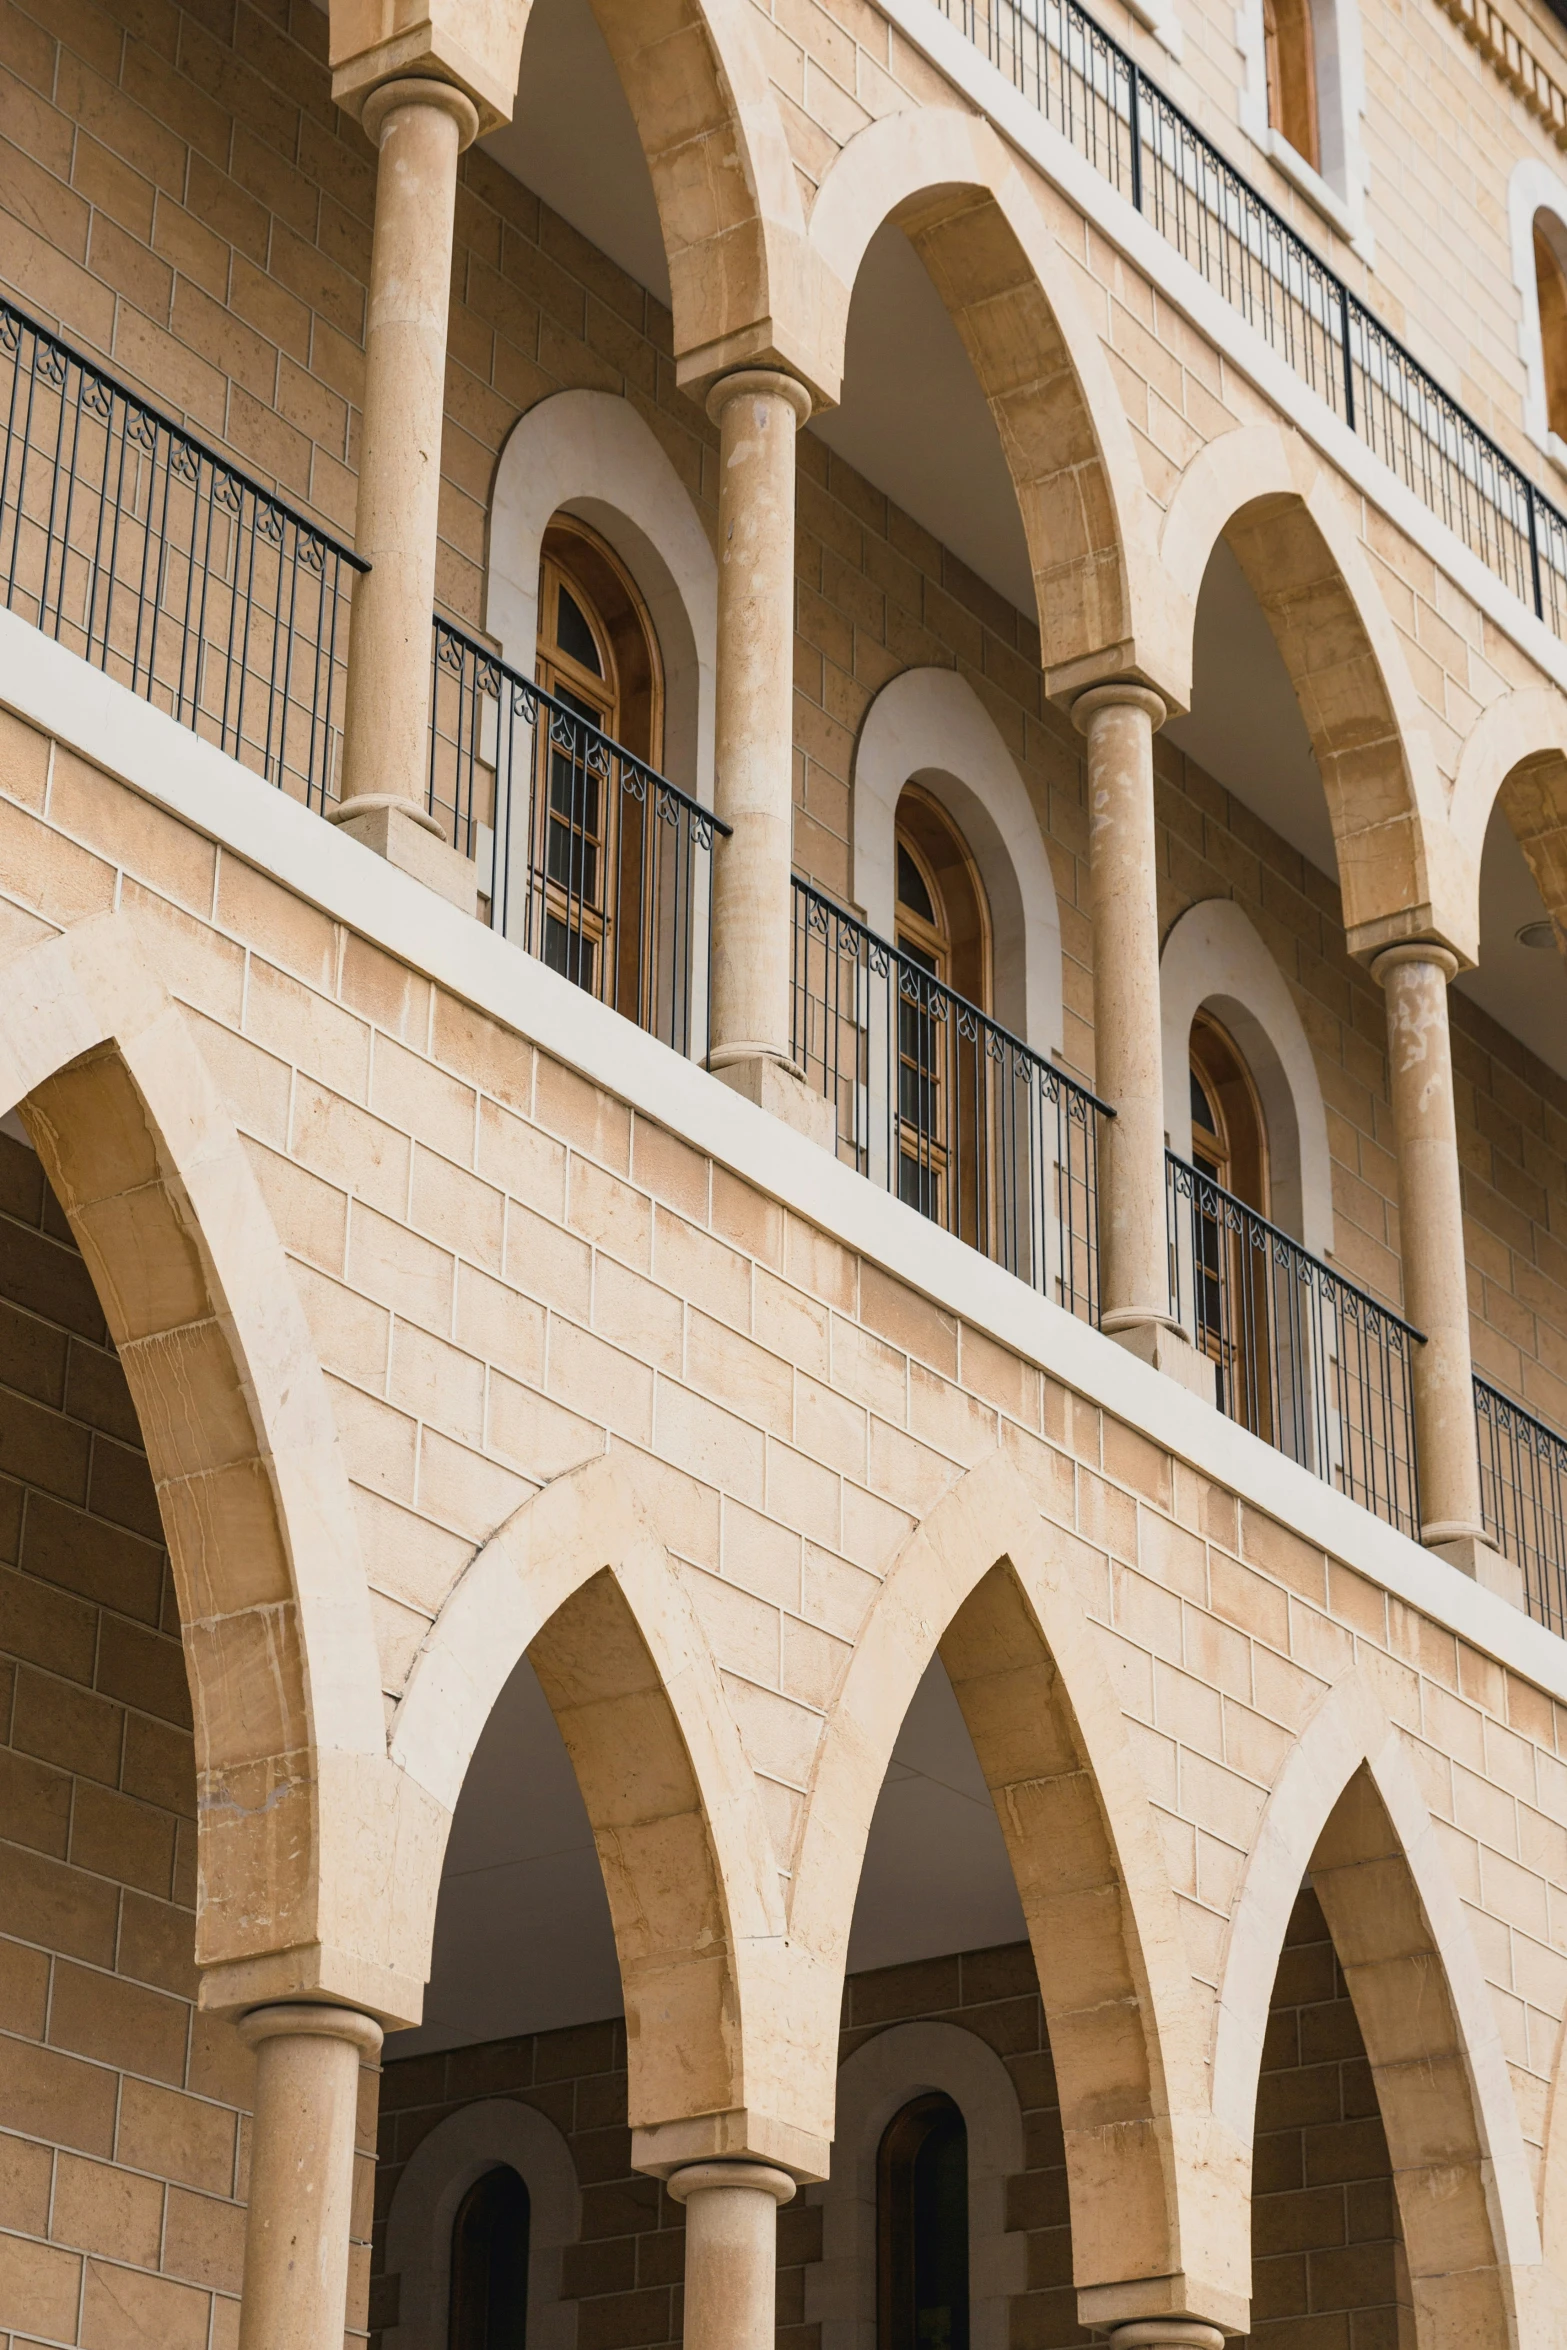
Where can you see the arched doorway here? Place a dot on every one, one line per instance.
(598, 659)
(489, 2297)
(922, 2281)
(1232, 1261)
(944, 947)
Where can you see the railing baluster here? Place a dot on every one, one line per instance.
(1523, 1497)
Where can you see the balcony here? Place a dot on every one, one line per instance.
(149, 555)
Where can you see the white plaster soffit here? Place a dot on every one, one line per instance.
(1239, 344)
(105, 722)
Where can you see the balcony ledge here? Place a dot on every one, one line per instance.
(157, 758)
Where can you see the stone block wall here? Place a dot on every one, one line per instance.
(123, 2112)
(1328, 2270)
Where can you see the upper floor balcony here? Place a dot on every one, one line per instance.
(954, 988)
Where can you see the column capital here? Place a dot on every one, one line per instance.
(696, 2178)
(1167, 2333)
(423, 89)
(769, 381)
(314, 2020)
(1122, 694)
(1414, 950)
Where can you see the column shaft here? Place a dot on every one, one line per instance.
(301, 2174)
(731, 2252)
(758, 414)
(1431, 1227)
(1134, 1280)
(421, 127)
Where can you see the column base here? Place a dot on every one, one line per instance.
(1491, 1569)
(411, 841)
(778, 1087)
(1166, 1347)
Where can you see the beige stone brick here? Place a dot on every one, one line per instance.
(352, 1336)
(747, 1218)
(549, 1264)
(836, 1431)
(384, 990)
(483, 1052)
(911, 1323)
(1171, 1555)
(39, 2289)
(123, 2310)
(256, 1086)
(45, 2094)
(437, 1381)
(63, 883)
(100, 2209)
(521, 1160)
(693, 1264)
(348, 1147)
(117, 1837)
(457, 1210)
(380, 1443)
(25, 2174)
(637, 1316)
(422, 1100)
(462, 1488)
(279, 925)
(197, 964)
(820, 1265)
(400, 1269)
(311, 1217)
(542, 1438)
(127, 829)
(582, 1114)
(24, 2002)
(205, 2241)
(670, 1169)
(790, 1323)
(307, 1028)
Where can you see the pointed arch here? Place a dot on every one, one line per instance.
(1347, 1806)
(948, 182)
(1156, 2194)
(1263, 490)
(110, 1083)
(745, 287)
(578, 1580)
(1516, 753)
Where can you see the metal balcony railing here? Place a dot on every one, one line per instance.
(1523, 1493)
(939, 1104)
(1137, 138)
(587, 857)
(1301, 1356)
(131, 542)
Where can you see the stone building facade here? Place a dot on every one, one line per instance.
(783, 1342)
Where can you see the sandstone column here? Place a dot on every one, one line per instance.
(1431, 1227)
(758, 413)
(731, 2252)
(301, 2173)
(1119, 722)
(421, 127)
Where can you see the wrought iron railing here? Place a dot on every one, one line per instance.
(1141, 141)
(587, 856)
(131, 542)
(939, 1104)
(1523, 1493)
(1301, 1356)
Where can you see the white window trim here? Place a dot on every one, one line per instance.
(442, 2168)
(1214, 960)
(592, 455)
(928, 726)
(1534, 188)
(874, 2083)
(1338, 190)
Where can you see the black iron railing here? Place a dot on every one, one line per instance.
(1523, 1493)
(939, 1104)
(131, 542)
(587, 857)
(1142, 142)
(1301, 1356)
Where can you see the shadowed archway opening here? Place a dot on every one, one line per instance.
(1328, 2262)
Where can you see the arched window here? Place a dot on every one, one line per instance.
(1550, 281)
(922, 2285)
(943, 929)
(597, 655)
(1229, 1146)
(1290, 51)
(489, 2301)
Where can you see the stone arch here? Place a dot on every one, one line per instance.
(578, 1580)
(930, 726)
(439, 2173)
(290, 1743)
(1263, 490)
(948, 182)
(1347, 1806)
(880, 2077)
(1516, 752)
(1157, 2197)
(594, 455)
(745, 288)
(1214, 956)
